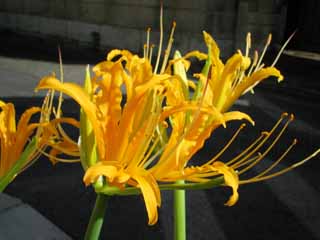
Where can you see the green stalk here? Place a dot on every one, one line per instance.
(16, 168)
(97, 217)
(112, 190)
(179, 213)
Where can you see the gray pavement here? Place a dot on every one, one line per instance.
(19, 77)
(20, 221)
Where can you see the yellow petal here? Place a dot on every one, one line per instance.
(97, 170)
(223, 89)
(151, 195)
(83, 99)
(249, 82)
(230, 179)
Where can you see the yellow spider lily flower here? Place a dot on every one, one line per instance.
(24, 142)
(127, 136)
(123, 134)
(14, 138)
(227, 82)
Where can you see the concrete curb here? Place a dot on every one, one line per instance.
(19, 221)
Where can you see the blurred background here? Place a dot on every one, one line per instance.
(287, 207)
(122, 23)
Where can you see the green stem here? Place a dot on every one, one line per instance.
(97, 217)
(111, 190)
(19, 164)
(179, 208)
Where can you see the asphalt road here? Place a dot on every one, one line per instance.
(287, 207)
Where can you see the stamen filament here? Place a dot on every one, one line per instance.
(282, 49)
(277, 161)
(145, 51)
(255, 60)
(248, 45)
(64, 160)
(265, 136)
(155, 143)
(227, 145)
(167, 51)
(150, 53)
(269, 148)
(282, 171)
(161, 39)
(264, 51)
(148, 40)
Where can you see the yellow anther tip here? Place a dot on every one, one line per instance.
(291, 116)
(269, 39)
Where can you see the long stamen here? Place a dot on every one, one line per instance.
(64, 160)
(255, 60)
(282, 171)
(161, 38)
(150, 53)
(248, 45)
(264, 51)
(150, 150)
(61, 149)
(148, 42)
(277, 161)
(145, 51)
(227, 145)
(33, 158)
(45, 113)
(269, 148)
(264, 137)
(250, 160)
(167, 51)
(61, 79)
(282, 49)
(154, 156)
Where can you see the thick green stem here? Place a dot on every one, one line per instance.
(111, 190)
(179, 209)
(97, 217)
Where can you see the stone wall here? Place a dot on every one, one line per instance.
(122, 23)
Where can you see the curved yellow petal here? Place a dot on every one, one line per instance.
(248, 82)
(230, 179)
(223, 89)
(117, 52)
(151, 195)
(94, 172)
(83, 99)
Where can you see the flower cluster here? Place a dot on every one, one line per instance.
(140, 127)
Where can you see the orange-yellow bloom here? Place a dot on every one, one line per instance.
(14, 137)
(24, 142)
(135, 151)
(123, 134)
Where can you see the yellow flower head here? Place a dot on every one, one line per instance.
(227, 82)
(124, 134)
(14, 137)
